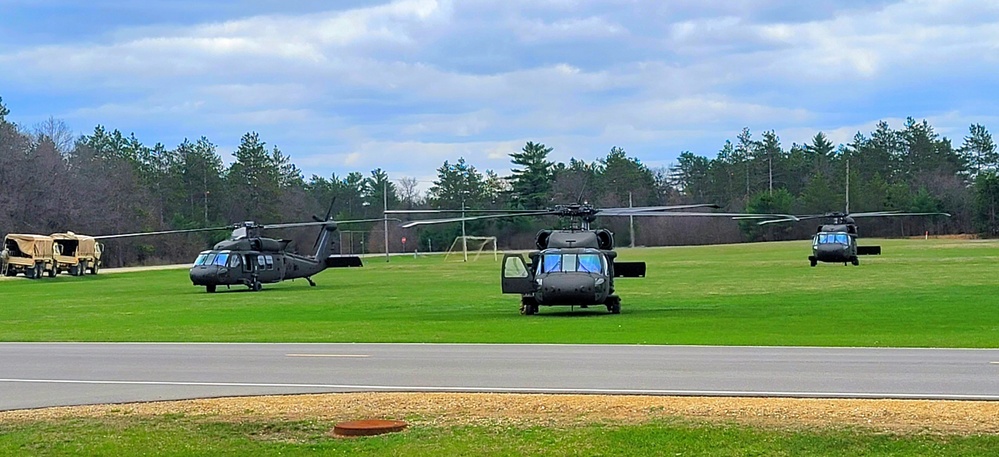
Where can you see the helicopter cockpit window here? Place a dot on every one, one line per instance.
(551, 262)
(201, 259)
(590, 263)
(569, 263)
(833, 238)
(514, 268)
(221, 259)
(209, 258)
(234, 261)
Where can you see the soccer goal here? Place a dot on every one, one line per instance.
(476, 244)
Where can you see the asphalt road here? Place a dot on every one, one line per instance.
(50, 374)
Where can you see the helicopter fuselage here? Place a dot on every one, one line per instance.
(834, 246)
(571, 268)
(572, 276)
(255, 261)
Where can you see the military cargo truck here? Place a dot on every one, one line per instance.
(77, 254)
(32, 255)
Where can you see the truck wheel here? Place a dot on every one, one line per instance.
(54, 271)
(82, 268)
(74, 270)
(30, 272)
(93, 269)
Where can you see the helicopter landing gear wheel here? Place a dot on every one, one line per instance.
(528, 306)
(855, 261)
(613, 305)
(255, 286)
(210, 288)
(813, 262)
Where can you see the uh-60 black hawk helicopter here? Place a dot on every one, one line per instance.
(836, 242)
(249, 259)
(574, 266)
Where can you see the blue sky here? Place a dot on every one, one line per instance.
(404, 85)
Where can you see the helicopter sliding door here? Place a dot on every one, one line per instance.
(517, 278)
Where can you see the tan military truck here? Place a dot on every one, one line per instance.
(77, 254)
(28, 254)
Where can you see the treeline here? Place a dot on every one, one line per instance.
(107, 183)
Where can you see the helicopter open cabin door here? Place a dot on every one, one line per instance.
(517, 278)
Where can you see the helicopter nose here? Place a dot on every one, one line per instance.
(203, 275)
(568, 288)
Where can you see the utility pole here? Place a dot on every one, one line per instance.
(385, 217)
(464, 241)
(847, 186)
(631, 222)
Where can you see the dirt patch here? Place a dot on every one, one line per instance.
(439, 409)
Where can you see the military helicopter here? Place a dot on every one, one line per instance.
(250, 259)
(574, 266)
(836, 242)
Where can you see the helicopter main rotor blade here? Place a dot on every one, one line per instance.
(732, 215)
(315, 223)
(787, 219)
(470, 218)
(895, 213)
(162, 232)
(635, 210)
(468, 211)
(851, 215)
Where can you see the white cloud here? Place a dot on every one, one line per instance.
(415, 82)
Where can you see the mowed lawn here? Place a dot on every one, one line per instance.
(920, 293)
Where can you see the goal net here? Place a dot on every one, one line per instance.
(463, 245)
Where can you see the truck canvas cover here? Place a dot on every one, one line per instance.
(86, 246)
(38, 246)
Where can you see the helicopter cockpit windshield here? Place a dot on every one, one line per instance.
(832, 238)
(581, 262)
(212, 258)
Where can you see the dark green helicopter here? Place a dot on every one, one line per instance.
(574, 266)
(836, 242)
(249, 259)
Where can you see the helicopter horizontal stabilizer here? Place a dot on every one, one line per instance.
(343, 262)
(868, 250)
(629, 269)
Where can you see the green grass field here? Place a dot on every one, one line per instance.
(179, 435)
(920, 293)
